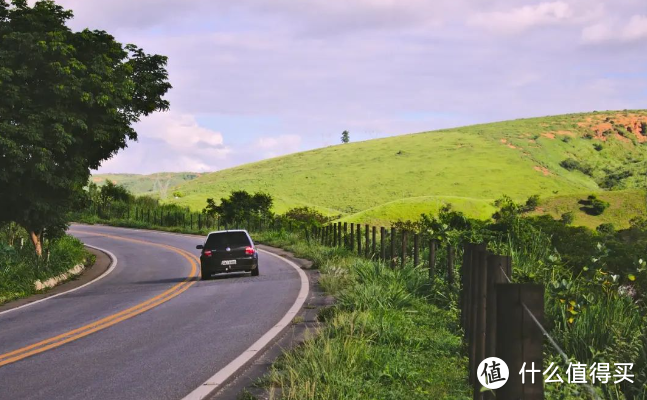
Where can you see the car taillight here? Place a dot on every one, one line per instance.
(249, 250)
(207, 253)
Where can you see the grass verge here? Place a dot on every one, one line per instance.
(382, 339)
(20, 268)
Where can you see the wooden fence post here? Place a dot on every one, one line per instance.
(416, 249)
(432, 259)
(392, 254)
(367, 242)
(498, 267)
(519, 339)
(478, 264)
(466, 270)
(359, 240)
(382, 248)
(403, 260)
(339, 237)
(480, 305)
(352, 236)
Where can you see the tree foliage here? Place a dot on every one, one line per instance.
(112, 192)
(345, 137)
(67, 102)
(239, 206)
(308, 215)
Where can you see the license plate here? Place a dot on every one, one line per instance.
(228, 262)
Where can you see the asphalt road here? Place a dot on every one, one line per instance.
(109, 340)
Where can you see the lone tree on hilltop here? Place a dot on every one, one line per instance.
(67, 102)
(345, 137)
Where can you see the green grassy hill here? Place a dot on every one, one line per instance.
(560, 157)
(153, 184)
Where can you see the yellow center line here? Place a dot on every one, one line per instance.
(110, 320)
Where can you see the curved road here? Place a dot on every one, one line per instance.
(148, 330)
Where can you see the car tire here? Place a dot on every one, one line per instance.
(204, 276)
(255, 271)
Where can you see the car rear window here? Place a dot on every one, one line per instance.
(220, 241)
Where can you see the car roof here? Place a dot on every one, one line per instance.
(229, 230)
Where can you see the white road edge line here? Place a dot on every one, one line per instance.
(113, 264)
(212, 384)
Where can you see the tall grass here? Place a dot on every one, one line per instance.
(20, 267)
(382, 339)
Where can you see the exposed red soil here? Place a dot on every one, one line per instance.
(543, 170)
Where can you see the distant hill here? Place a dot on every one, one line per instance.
(157, 185)
(562, 158)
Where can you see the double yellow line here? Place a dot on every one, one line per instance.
(110, 320)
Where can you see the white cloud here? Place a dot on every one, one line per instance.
(522, 18)
(180, 131)
(171, 142)
(634, 30)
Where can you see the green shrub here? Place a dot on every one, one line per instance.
(568, 217)
(572, 164)
(606, 228)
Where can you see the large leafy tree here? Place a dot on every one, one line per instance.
(239, 206)
(67, 102)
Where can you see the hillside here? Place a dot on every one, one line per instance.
(399, 177)
(153, 184)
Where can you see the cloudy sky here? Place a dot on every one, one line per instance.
(260, 78)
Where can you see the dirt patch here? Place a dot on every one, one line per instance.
(543, 170)
(604, 125)
(549, 135)
(504, 140)
(565, 133)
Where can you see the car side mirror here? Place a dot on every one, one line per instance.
(199, 247)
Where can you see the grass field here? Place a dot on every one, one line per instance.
(402, 176)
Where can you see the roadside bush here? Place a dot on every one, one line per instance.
(307, 215)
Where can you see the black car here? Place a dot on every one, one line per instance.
(228, 251)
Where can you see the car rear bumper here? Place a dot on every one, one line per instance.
(242, 265)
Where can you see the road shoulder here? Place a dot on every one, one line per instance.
(89, 274)
(304, 324)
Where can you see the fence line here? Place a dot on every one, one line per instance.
(492, 307)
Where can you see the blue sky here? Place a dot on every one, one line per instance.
(255, 79)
